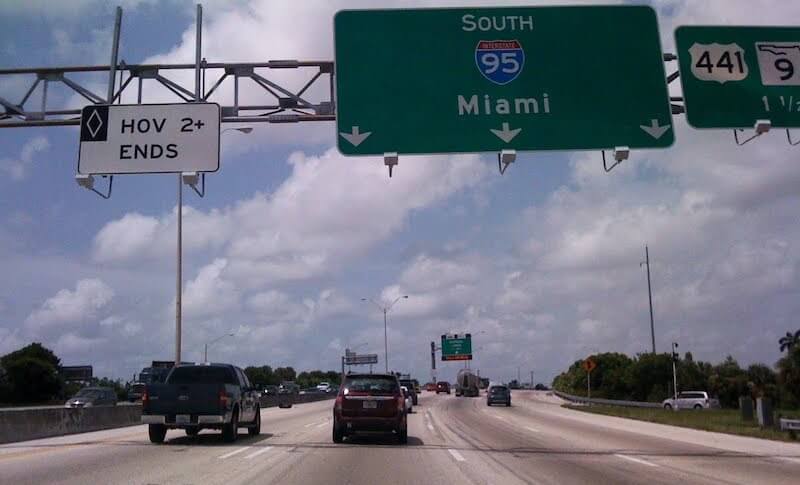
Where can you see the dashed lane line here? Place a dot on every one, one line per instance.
(456, 455)
(635, 460)
(531, 429)
(430, 427)
(259, 452)
(234, 452)
(789, 459)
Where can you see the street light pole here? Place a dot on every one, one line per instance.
(674, 371)
(179, 265)
(205, 346)
(385, 310)
(649, 296)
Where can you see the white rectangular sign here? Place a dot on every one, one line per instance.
(149, 138)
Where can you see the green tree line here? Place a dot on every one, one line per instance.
(648, 377)
(30, 375)
(267, 376)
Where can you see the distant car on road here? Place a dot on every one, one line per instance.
(92, 396)
(409, 384)
(135, 391)
(270, 390)
(430, 387)
(370, 402)
(286, 393)
(691, 400)
(498, 394)
(442, 386)
(199, 396)
(409, 402)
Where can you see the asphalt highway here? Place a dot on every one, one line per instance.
(451, 440)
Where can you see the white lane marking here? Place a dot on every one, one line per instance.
(234, 452)
(635, 460)
(255, 454)
(457, 455)
(314, 424)
(430, 427)
(531, 429)
(320, 425)
(788, 458)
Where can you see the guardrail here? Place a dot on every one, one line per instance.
(790, 424)
(30, 424)
(607, 402)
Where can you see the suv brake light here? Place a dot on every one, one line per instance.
(401, 402)
(145, 396)
(223, 398)
(339, 402)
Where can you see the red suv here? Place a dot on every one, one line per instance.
(370, 402)
(442, 386)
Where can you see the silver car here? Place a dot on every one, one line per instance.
(691, 400)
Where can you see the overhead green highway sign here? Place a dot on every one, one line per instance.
(457, 347)
(733, 77)
(487, 79)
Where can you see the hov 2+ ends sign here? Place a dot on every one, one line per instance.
(149, 138)
(734, 76)
(486, 79)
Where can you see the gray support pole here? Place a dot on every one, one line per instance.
(179, 274)
(112, 72)
(197, 56)
(385, 341)
(650, 298)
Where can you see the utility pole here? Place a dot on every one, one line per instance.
(674, 371)
(531, 379)
(518, 378)
(646, 262)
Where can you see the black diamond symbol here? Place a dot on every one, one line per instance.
(94, 123)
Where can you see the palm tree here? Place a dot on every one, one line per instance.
(789, 340)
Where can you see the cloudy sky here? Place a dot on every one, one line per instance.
(541, 264)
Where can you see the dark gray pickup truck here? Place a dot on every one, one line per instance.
(199, 396)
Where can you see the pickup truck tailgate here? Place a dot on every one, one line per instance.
(194, 399)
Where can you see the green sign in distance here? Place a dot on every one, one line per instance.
(735, 76)
(457, 347)
(487, 79)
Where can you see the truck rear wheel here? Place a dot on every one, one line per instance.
(255, 429)
(157, 433)
(230, 431)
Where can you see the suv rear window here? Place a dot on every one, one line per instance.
(498, 390)
(202, 374)
(372, 384)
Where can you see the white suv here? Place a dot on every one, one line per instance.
(324, 387)
(691, 400)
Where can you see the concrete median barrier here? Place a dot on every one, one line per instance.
(30, 424)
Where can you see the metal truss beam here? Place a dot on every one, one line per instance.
(279, 104)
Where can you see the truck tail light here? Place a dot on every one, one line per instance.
(401, 403)
(145, 397)
(223, 399)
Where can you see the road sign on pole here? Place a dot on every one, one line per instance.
(487, 79)
(361, 359)
(149, 138)
(589, 365)
(734, 77)
(456, 347)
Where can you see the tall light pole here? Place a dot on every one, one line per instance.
(674, 371)
(385, 310)
(646, 262)
(179, 269)
(205, 347)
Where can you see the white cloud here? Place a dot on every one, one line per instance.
(72, 306)
(17, 169)
(329, 211)
(210, 293)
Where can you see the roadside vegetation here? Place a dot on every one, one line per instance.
(719, 420)
(648, 377)
(31, 375)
